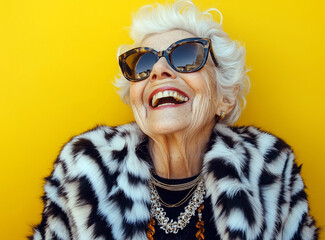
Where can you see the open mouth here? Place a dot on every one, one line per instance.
(167, 97)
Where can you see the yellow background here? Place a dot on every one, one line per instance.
(58, 60)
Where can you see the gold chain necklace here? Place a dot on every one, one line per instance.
(183, 200)
(176, 187)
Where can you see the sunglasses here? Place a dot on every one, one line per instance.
(184, 56)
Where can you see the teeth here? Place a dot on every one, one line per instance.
(166, 104)
(167, 93)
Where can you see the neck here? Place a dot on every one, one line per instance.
(180, 154)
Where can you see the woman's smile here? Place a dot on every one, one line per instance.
(167, 97)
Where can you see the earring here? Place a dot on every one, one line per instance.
(220, 117)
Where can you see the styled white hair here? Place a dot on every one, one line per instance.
(230, 76)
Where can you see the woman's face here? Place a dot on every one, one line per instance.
(189, 100)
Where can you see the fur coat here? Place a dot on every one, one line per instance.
(99, 187)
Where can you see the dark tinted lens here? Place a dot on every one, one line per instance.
(187, 57)
(139, 65)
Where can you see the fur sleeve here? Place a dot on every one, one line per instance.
(88, 194)
(55, 218)
(298, 223)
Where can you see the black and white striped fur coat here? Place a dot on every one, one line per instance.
(99, 187)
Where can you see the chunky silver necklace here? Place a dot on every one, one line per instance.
(169, 225)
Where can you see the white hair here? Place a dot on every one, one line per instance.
(230, 76)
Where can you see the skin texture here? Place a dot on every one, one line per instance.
(178, 133)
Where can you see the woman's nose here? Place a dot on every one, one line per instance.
(162, 70)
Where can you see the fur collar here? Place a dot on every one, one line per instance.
(104, 176)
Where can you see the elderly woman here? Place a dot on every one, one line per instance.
(181, 171)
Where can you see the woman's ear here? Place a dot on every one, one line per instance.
(226, 104)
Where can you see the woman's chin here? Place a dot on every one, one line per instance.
(167, 126)
(168, 120)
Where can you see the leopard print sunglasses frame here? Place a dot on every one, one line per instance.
(129, 60)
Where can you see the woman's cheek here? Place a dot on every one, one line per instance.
(199, 111)
(138, 103)
(203, 108)
(136, 94)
